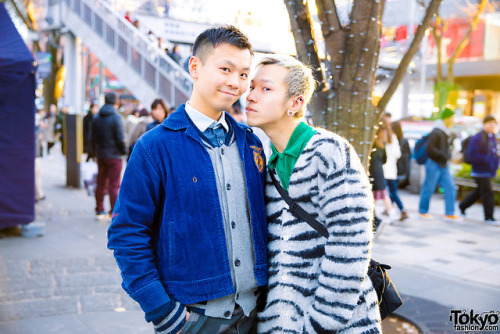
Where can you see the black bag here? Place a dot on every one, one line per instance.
(388, 297)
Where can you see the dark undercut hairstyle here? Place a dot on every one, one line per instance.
(211, 38)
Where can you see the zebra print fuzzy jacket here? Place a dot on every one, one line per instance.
(318, 285)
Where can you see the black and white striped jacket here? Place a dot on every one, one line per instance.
(318, 285)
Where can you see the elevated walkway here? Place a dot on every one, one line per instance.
(135, 60)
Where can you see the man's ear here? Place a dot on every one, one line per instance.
(194, 66)
(296, 103)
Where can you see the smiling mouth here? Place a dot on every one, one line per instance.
(250, 109)
(228, 93)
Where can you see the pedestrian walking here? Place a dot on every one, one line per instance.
(315, 285)
(404, 161)
(108, 146)
(87, 130)
(482, 152)
(378, 158)
(189, 229)
(390, 167)
(437, 170)
(159, 110)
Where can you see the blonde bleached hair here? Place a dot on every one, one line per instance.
(299, 79)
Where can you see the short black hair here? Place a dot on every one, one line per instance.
(213, 37)
(110, 98)
(489, 118)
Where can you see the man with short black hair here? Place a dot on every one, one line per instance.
(482, 152)
(108, 146)
(189, 229)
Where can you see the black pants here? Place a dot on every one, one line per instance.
(483, 192)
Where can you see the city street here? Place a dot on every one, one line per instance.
(68, 282)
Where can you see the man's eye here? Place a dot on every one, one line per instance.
(244, 75)
(225, 69)
(266, 89)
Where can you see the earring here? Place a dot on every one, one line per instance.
(289, 113)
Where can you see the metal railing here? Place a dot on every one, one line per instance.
(158, 70)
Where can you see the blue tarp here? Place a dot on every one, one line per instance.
(17, 126)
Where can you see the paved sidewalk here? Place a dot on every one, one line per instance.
(440, 265)
(68, 282)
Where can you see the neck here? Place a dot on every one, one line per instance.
(197, 103)
(280, 132)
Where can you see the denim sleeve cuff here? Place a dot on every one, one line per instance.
(173, 322)
(151, 296)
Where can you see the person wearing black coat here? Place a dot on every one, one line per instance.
(87, 131)
(108, 144)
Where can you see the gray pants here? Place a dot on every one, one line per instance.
(238, 324)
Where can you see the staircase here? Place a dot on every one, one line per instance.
(133, 58)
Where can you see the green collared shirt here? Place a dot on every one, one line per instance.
(285, 162)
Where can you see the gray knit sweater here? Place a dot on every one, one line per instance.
(318, 285)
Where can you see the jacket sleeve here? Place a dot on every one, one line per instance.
(130, 236)
(119, 136)
(436, 148)
(347, 205)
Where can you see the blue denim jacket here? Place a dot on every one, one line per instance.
(167, 230)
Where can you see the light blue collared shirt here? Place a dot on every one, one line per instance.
(202, 121)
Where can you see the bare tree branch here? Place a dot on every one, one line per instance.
(403, 65)
(463, 43)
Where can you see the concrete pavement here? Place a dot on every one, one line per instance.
(68, 282)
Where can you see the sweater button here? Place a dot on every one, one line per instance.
(237, 263)
(227, 314)
(228, 186)
(233, 225)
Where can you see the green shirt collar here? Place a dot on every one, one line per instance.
(284, 163)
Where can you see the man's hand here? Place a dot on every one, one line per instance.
(187, 317)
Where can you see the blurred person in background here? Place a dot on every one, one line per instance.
(437, 169)
(482, 152)
(87, 130)
(404, 162)
(378, 158)
(59, 126)
(50, 129)
(144, 119)
(175, 54)
(390, 167)
(159, 110)
(108, 145)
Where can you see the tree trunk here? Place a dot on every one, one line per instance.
(345, 105)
